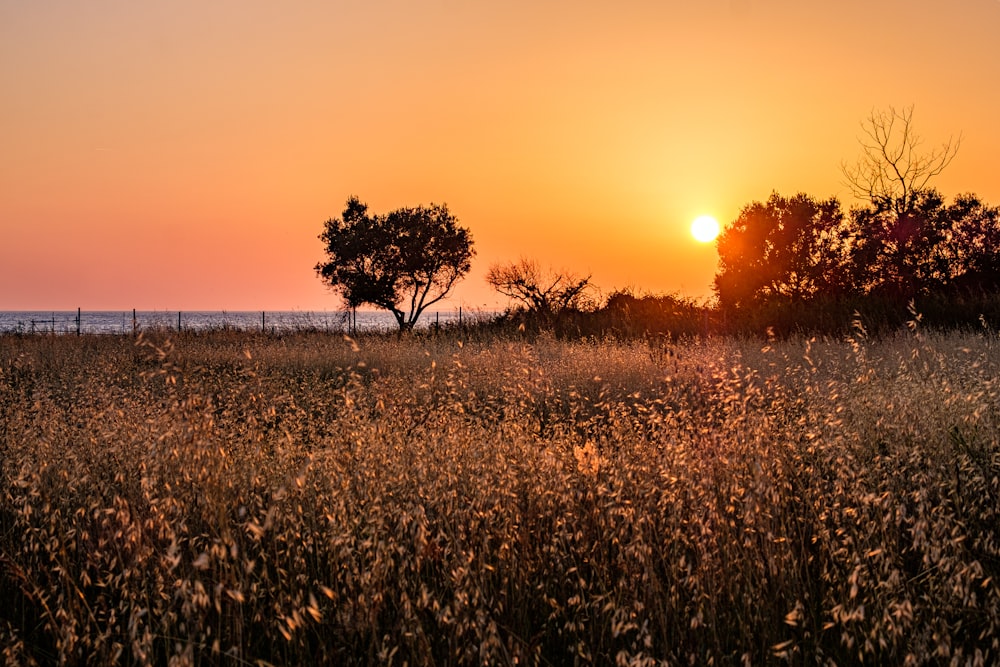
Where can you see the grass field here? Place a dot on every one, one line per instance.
(234, 498)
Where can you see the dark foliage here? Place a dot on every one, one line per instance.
(787, 249)
(403, 261)
(671, 316)
(797, 265)
(801, 265)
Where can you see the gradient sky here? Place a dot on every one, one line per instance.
(184, 155)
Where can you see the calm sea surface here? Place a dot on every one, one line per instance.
(125, 322)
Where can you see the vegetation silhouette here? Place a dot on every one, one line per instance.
(402, 261)
(791, 264)
(891, 171)
(787, 249)
(546, 296)
(800, 264)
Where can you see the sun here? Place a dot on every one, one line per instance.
(705, 228)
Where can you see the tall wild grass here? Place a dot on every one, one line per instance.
(232, 498)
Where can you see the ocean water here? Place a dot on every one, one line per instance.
(127, 322)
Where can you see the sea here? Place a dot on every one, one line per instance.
(133, 321)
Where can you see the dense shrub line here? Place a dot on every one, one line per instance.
(629, 316)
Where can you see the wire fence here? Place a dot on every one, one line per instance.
(132, 322)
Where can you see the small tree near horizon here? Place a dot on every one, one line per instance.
(546, 294)
(403, 261)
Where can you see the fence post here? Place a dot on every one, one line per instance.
(78, 315)
(178, 321)
(135, 324)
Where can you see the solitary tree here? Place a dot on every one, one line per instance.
(403, 261)
(784, 250)
(892, 171)
(547, 294)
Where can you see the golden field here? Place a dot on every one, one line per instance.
(235, 498)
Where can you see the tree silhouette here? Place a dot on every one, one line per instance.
(891, 171)
(973, 246)
(784, 250)
(403, 261)
(782, 258)
(546, 294)
(901, 255)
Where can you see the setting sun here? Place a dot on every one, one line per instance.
(705, 228)
(214, 138)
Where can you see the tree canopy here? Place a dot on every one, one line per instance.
(402, 261)
(798, 250)
(903, 241)
(788, 248)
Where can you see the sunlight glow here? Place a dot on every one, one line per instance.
(705, 228)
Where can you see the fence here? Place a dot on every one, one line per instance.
(131, 322)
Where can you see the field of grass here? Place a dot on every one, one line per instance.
(235, 498)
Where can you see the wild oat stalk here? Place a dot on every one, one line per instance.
(229, 498)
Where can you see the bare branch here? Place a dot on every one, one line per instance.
(891, 171)
(545, 293)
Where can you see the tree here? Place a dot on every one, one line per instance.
(545, 294)
(403, 261)
(974, 244)
(891, 172)
(901, 255)
(787, 250)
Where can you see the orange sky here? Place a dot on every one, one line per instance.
(184, 155)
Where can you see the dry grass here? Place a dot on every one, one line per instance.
(230, 498)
